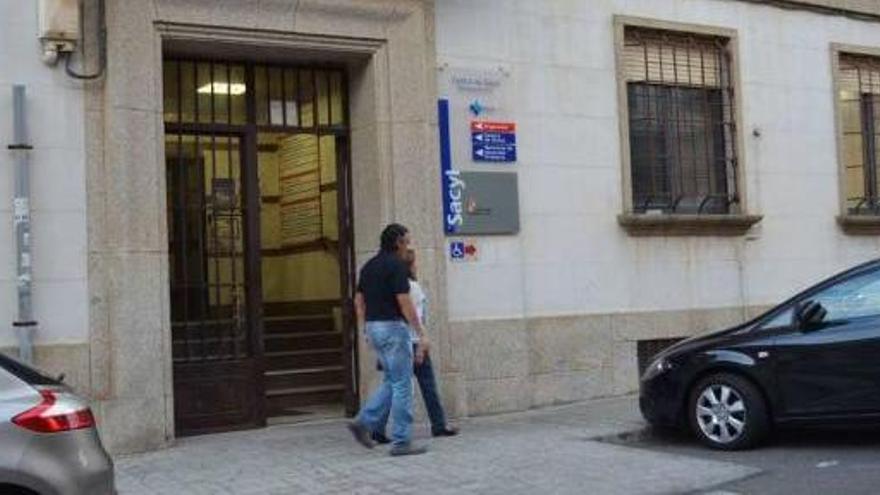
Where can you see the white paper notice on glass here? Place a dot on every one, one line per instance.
(277, 109)
(276, 112)
(292, 119)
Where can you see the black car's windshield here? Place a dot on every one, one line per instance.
(24, 372)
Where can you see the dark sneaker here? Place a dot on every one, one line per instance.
(361, 434)
(408, 449)
(448, 431)
(380, 438)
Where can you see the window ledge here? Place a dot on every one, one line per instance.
(687, 225)
(860, 224)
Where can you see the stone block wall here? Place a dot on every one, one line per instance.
(514, 364)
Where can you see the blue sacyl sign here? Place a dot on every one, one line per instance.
(453, 185)
(493, 141)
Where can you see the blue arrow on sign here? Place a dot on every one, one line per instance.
(494, 153)
(493, 142)
(494, 137)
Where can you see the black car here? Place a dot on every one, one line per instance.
(814, 359)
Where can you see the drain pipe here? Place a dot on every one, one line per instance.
(24, 325)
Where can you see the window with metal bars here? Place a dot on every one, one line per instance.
(682, 129)
(859, 81)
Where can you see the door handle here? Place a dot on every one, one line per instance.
(763, 354)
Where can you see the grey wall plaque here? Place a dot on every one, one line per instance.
(490, 203)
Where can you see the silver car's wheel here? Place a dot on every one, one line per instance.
(721, 413)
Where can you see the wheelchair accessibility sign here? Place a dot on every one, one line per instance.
(462, 251)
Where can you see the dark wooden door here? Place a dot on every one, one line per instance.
(216, 367)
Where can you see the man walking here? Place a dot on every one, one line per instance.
(384, 307)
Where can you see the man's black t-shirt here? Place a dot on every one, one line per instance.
(382, 279)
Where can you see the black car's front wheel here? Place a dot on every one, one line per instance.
(727, 412)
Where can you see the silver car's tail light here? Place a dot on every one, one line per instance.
(55, 413)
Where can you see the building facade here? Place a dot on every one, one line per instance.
(201, 209)
(681, 166)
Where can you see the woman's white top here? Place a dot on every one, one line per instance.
(420, 300)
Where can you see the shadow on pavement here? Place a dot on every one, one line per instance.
(789, 438)
(808, 460)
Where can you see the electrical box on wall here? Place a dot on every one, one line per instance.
(59, 25)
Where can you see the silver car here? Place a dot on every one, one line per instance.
(48, 441)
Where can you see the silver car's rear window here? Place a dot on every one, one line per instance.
(25, 373)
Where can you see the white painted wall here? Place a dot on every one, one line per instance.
(55, 115)
(571, 256)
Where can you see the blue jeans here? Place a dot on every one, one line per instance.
(391, 341)
(428, 385)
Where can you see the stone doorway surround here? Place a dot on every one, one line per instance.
(388, 48)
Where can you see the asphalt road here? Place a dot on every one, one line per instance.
(792, 462)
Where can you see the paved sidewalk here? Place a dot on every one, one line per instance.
(543, 451)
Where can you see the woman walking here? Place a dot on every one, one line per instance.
(423, 368)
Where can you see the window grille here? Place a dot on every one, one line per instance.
(681, 122)
(859, 80)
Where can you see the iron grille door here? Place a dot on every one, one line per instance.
(214, 365)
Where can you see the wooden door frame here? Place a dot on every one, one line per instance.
(347, 271)
(254, 264)
(248, 135)
(346, 255)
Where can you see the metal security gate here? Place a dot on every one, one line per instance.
(258, 187)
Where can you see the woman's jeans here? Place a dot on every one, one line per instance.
(392, 342)
(428, 384)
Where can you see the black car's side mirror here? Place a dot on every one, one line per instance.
(810, 315)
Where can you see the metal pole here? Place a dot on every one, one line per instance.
(24, 323)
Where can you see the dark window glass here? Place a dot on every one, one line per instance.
(677, 148)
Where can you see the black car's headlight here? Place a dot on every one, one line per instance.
(657, 368)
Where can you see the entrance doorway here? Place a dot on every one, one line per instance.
(261, 261)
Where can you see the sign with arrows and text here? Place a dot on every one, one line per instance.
(493, 141)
